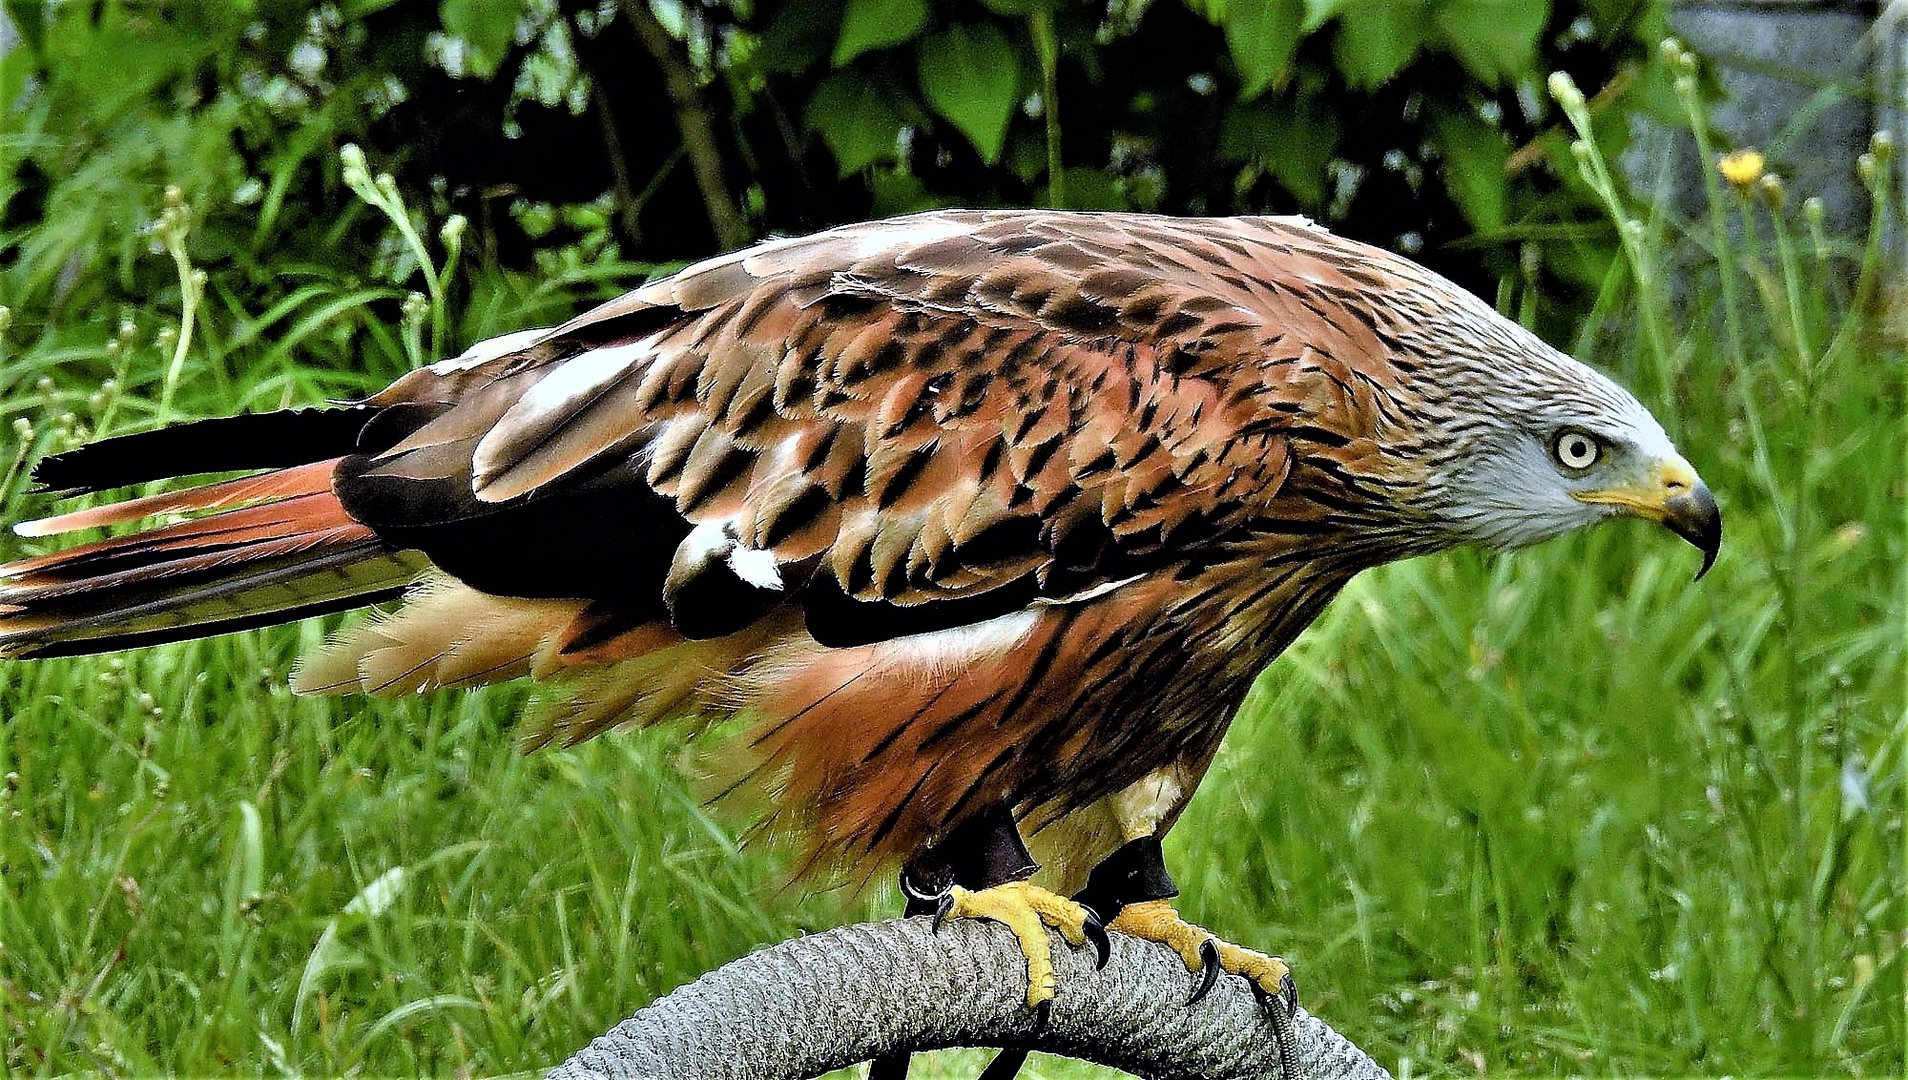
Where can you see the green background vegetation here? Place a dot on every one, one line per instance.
(1554, 812)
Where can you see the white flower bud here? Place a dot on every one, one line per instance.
(1564, 89)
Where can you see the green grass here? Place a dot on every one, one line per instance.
(1563, 811)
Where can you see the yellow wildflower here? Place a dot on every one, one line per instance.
(1741, 168)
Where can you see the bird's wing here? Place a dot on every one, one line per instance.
(901, 426)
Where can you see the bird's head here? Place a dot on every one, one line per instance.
(1540, 445)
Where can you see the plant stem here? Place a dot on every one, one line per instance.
(191, 284)
(433, 281)
(693, 122)
(1792, 289)
(1718, 226)
(1866, 278)
(1048, 47)
(1632, 234)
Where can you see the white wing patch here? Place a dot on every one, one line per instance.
(565, 390)
(756, 567)
(716, 540)
(489, 349)
(705, 542)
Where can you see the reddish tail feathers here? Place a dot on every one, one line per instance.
(262, 549)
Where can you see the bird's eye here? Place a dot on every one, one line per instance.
(1576, 450)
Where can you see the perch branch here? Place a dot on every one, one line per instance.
(829, 1000)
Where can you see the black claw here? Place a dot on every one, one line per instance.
(1042, 1012)
(943, 907)
(1287, 997)
(1284, 1024)
(1095, 932)
(1283, 1019)
(1208, 971)
(1005, 1066)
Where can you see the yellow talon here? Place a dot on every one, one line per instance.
(1155, 920)
(1027, 910)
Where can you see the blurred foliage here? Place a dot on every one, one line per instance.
(574, 135)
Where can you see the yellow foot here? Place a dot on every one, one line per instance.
(1155, 920)
(1028, 910)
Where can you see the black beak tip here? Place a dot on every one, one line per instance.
(1695, 517)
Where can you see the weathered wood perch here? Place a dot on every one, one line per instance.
(826, 1001)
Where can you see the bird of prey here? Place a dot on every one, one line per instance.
(985, 519)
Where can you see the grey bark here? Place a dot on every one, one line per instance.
(826, 1001)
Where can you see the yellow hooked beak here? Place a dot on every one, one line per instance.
(1675, 498)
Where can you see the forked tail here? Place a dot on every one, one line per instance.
(262, 549)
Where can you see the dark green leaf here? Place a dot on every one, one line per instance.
(971, 75)
(799, 36)
(898, 191)
(1493, 38)
(28, 17)
(1293, 141)
(485, 26)
(856, 118)
(1262, 36)
(1017, 7)
(1652, 91)
(1319, 12)
(1377, 38)
(1025, 154)
(1093, 189)
(1473, 153)
(22, 67)
(877, 24)
(1615, 17)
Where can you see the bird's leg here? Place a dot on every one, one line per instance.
(1028, 910)
(980, 872)
(1132, 888)
(1132, 885)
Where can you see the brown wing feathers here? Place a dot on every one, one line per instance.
(859, 447)
(892, 488)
